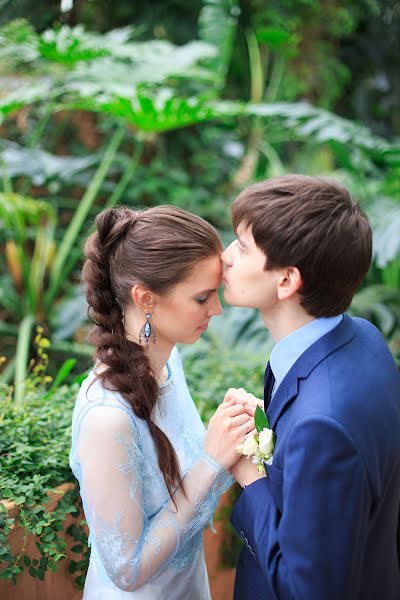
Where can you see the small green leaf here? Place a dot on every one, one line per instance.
(260, 419)
(27, 561)
(32, 572)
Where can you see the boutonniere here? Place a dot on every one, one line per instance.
(259, 446)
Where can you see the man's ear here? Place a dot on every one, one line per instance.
(142, 297)
(289, 283)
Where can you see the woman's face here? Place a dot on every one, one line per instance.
(183, 314)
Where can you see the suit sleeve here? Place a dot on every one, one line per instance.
(312, 546)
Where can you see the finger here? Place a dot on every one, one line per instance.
(251, 398)
(249, 409)
(240, 400)
(230, 394)
(234, 410)
(257, 401)
(226, 404)
(251, 433)
(247, 427)
(240, 420)
(235, 394)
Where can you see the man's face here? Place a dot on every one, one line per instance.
(246, 282)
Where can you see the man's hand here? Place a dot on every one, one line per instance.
(245, 472)
(248, 401)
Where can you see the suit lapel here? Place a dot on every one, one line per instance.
(287, 391)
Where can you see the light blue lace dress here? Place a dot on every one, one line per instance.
(142, 547)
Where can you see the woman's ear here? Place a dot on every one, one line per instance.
(289, 283)
(142, 297)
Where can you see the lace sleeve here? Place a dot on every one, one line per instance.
(133, 547)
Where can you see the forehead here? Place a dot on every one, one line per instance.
(245, 234)
(206, 274)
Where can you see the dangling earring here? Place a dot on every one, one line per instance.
(147, 332)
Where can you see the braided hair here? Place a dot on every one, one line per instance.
(157, 248)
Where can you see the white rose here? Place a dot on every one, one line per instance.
(265, 441)
(249, 446)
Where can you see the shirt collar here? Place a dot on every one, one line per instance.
(286, 352)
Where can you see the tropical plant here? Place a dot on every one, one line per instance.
(134, 66)
(34, 449)
(139, 99)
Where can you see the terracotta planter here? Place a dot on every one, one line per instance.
(221, 580)
(56, 586)
(60, 585)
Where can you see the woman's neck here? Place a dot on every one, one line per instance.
(158, 353)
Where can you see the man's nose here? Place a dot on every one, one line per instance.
(226, 256)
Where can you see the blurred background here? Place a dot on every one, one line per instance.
(185, 103)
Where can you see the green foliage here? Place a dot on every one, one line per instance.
(34, 451)
(217, 26)
(35, 443)
(140, 95)
(211, 367)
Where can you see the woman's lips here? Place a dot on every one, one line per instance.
(203, 327)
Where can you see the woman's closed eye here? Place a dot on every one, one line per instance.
(202, 299)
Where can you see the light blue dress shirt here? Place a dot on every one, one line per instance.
(286, 352)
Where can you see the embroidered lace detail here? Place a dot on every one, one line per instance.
(136, 532)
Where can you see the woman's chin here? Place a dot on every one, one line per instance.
(190, 339)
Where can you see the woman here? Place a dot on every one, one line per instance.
(150, 476)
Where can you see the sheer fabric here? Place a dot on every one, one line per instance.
(141, 545)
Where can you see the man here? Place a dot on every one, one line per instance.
(322, 523)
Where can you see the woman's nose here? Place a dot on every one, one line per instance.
(215, 307)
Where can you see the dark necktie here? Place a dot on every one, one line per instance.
(269, 381)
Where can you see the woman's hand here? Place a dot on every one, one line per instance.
(226, 430)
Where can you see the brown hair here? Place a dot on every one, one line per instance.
(157, 248)
(313, 224)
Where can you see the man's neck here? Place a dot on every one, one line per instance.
(284, 319)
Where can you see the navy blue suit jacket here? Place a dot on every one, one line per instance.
(323, 524)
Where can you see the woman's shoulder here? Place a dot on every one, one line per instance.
(93, 397)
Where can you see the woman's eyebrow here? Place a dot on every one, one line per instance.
(206, 292)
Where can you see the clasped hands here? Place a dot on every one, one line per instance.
(232, 422)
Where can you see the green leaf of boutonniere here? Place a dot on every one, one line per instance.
(260, 419)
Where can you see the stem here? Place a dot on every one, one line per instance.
(127, 176)
(34, 140)
(57, 274)
(21, 357)
(256, 69)
(7, 185)
(275, 79)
